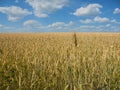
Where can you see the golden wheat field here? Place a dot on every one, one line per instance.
(60, 61)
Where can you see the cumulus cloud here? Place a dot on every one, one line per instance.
(5, 28)
(44, 7)
(96, 19)
(87, 21)
(60, 25)
(108, 25)
(16, 1)
(1, 25)
(116, 11)
(34, 26)
(87, 27)
(98, 28)
(90, 10)
(14, 13)
(115, 21)
(101, 20)
(31, 24)
(56, 26)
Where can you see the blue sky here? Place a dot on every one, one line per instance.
(59, 15)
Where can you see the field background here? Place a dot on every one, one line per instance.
(51, 61)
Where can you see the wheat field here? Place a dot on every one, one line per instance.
(60, 61)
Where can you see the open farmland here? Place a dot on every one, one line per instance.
(60, 61)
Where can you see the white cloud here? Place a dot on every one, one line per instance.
(115, 21)
(87, 27)
(98, 28)
(56, 24)
(108, 25)
(14, 13)
(96, 19)
(116, 11)
(60, 26)
(34, 26)
(44, 7)
(5, 28)
(16, 1)
(90, 10)
(1, 25)
(86, 21)
(101, 20)
(31, 24)
(71, 23)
